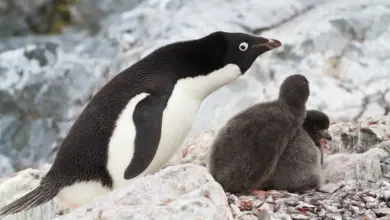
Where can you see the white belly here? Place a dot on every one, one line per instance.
(177, 121)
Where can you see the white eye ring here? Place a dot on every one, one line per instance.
(243, 46)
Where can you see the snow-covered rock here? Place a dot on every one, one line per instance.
(354, 166)
(21, 183)
(177, 192)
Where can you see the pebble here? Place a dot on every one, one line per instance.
(386, 195)
(382, 212)
(257, 203)
(235, 210)
(246, 205)
(299, 216)
(331, 208)
(369, 199)
(330, 187)
(351, 200)
(334, 216)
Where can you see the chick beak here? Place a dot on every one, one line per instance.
(325, 134)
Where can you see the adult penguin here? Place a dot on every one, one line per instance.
(137, 121)
(247, 149)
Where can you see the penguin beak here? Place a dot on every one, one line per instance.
(271, 44)
(325, 134)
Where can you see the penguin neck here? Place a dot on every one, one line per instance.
(201, 86)
(298, 110)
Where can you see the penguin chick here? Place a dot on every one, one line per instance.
(316, 125)
(299, 168)
(246, 150)
(135, 123)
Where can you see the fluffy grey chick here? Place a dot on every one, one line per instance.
(247, 149)
(299, 168)
(316, 125)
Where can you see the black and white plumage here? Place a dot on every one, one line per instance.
(136, 122)
(247, 149)
(299, 168)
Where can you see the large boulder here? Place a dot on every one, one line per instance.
(177, 192)
(354, 166)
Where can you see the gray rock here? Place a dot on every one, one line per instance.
(177, 192)
(6, 168)
(382, 212)
(195, 149)
(334, 216)
(299, 216)
(386, 195)
(335, 54)
(22, 183)
(363, 167)
(330, 187)
(42, 88)
(385, 165)
(352, 137)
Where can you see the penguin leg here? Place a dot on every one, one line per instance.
(258, 192)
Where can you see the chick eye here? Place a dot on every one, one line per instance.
(243, 46)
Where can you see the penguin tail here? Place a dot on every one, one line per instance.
(38, 196)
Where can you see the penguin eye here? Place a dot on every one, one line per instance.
(243, 46)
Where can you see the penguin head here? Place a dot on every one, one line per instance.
(243, 49)
(294, 91)
(317, 123)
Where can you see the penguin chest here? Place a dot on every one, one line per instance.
(177, 119)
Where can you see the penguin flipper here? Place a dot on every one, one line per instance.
(147, 119)
(36, 197)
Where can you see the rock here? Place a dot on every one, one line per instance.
(382, 212)
(385, 165)
(195, 149)
(334, 216)
(363, 167)
(42, 90)
(352, 137)
(37, 118)
(14, 14)
(330, 187)
(299, 217)
(386, 195)
(20, 184)
(177, 192)
(6, 168)
(246, 205)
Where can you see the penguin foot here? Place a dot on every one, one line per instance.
(259, 192)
